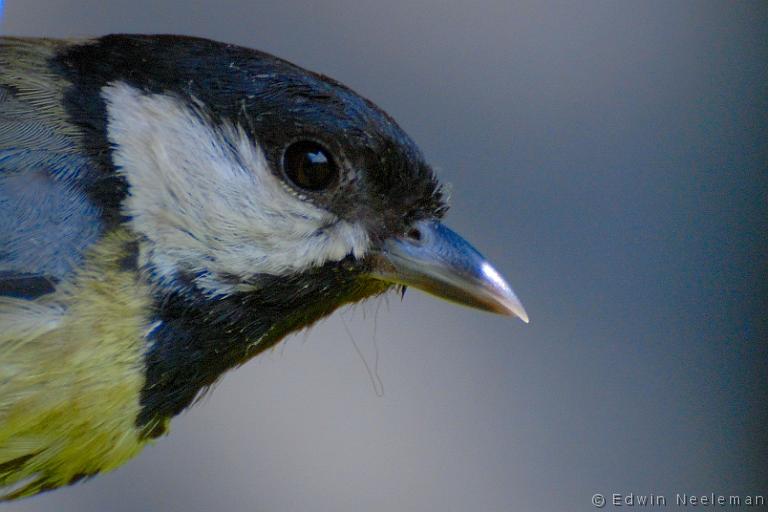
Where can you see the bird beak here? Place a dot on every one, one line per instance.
(436, 260)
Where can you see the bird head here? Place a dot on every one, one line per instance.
(244, 171)
(264, 196)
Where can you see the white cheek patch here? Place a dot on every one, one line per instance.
(207, 200)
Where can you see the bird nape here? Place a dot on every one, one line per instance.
(169, 208)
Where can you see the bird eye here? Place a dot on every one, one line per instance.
(309, 166)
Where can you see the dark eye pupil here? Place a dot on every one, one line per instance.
(309, 166)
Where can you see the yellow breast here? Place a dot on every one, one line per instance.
(71, 371)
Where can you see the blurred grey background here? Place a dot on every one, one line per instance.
(612, 159)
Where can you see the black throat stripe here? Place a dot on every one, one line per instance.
(199, 339)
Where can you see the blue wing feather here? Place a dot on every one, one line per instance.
(46, 220)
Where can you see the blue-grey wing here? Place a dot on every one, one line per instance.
(46, 221)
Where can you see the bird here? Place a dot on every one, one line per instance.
(172, 206)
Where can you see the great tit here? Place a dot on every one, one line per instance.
(169, 208)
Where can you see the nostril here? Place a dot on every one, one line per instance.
(414, 234)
